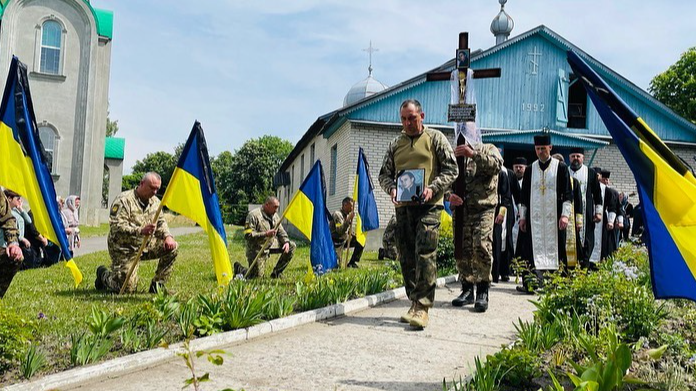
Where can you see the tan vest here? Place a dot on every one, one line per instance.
(418, 152)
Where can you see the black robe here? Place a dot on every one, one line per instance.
(501, 259)
(611, 205)
(563, 194)
(593, 197)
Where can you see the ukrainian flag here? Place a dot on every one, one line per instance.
(446, 219)
(307, 212)
(666, 186)
(23, 167)
(191, 192)
(363, 194)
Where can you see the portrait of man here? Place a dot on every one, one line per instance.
(410, 185)
(463, 58)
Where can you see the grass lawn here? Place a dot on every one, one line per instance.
(103, 229)
(48, 297)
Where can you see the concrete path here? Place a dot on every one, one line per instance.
(98, 243)
(366, 350)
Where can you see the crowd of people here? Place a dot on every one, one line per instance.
(24, 247)
(549, 215)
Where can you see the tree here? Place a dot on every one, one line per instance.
(676, 87)
(160, 162)
(111, 126)
(247, 175)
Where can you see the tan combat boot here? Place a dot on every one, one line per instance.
(420, 318)
(406, 318)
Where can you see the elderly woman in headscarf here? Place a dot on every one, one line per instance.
(70, 212)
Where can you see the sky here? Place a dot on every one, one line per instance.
(245, 69)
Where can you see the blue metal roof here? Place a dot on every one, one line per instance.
(558, 139)
(522, 100)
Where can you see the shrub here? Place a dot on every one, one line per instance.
(446, 264)
(516, 366)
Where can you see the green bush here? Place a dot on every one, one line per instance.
(15, 334)
(446, 264)
(517, 366)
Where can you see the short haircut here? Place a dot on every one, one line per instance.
(413, 102)
(270, 199)
(558, 157)
(149, 175)
(347, 200)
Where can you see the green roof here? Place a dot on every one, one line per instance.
(104, 18)
(114, 148)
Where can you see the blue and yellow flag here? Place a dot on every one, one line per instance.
(23, 167)
(363, 194)
(307, 212)
(446, 219)
(191, 192)
(666, 186)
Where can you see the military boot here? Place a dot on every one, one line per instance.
(420, 317)
(406, 318)
(481, 304)
(467, 296)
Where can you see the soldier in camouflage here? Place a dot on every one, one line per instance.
(418, 222)
(260, 225)
(342, 222)
(388, 249)
(130, 221)
(483, 163)
(10, 252)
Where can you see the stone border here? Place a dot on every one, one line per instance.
(143, 360)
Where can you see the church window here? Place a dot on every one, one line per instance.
(51, 47)
(334, 162)
(49, 140)
(577, 104)
(302, 167)
(311, 155)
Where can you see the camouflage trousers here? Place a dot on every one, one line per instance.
(477, 245)
(389, 239)
(357, 251)
(417, 233)
(259, 268)
(8, 269)
(121, 262)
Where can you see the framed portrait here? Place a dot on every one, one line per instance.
(410, 184)
(463, 57)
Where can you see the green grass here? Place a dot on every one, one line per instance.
(51, 292)
(103, 229)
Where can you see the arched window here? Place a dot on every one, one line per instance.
(51, 46)
(50, 142)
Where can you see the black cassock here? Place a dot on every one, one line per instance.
(563, 194)
(593, 197)
(501, 259)
(611, 206)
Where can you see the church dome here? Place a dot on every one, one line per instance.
(502, 24)
(363, 89)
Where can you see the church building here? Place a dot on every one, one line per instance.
(66, 45)
(536, 93)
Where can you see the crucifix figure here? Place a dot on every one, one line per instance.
(460, 184)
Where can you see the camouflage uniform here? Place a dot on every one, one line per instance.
(127, 217)
(8, 228)
(340, 230)
(257, 223)
(481, 189)
(417, 225)
(389, 239)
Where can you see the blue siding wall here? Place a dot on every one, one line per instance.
(525, 97)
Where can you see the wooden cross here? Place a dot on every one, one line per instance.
(460, 184)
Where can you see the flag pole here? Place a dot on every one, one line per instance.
(350, 237)
(140, 251)
(265, 246)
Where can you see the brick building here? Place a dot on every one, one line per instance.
(537, 92)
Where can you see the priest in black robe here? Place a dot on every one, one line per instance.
(502, 230)
(591, 201)
(611, 216)
(545, 206)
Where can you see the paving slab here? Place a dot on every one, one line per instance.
(365, 350)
